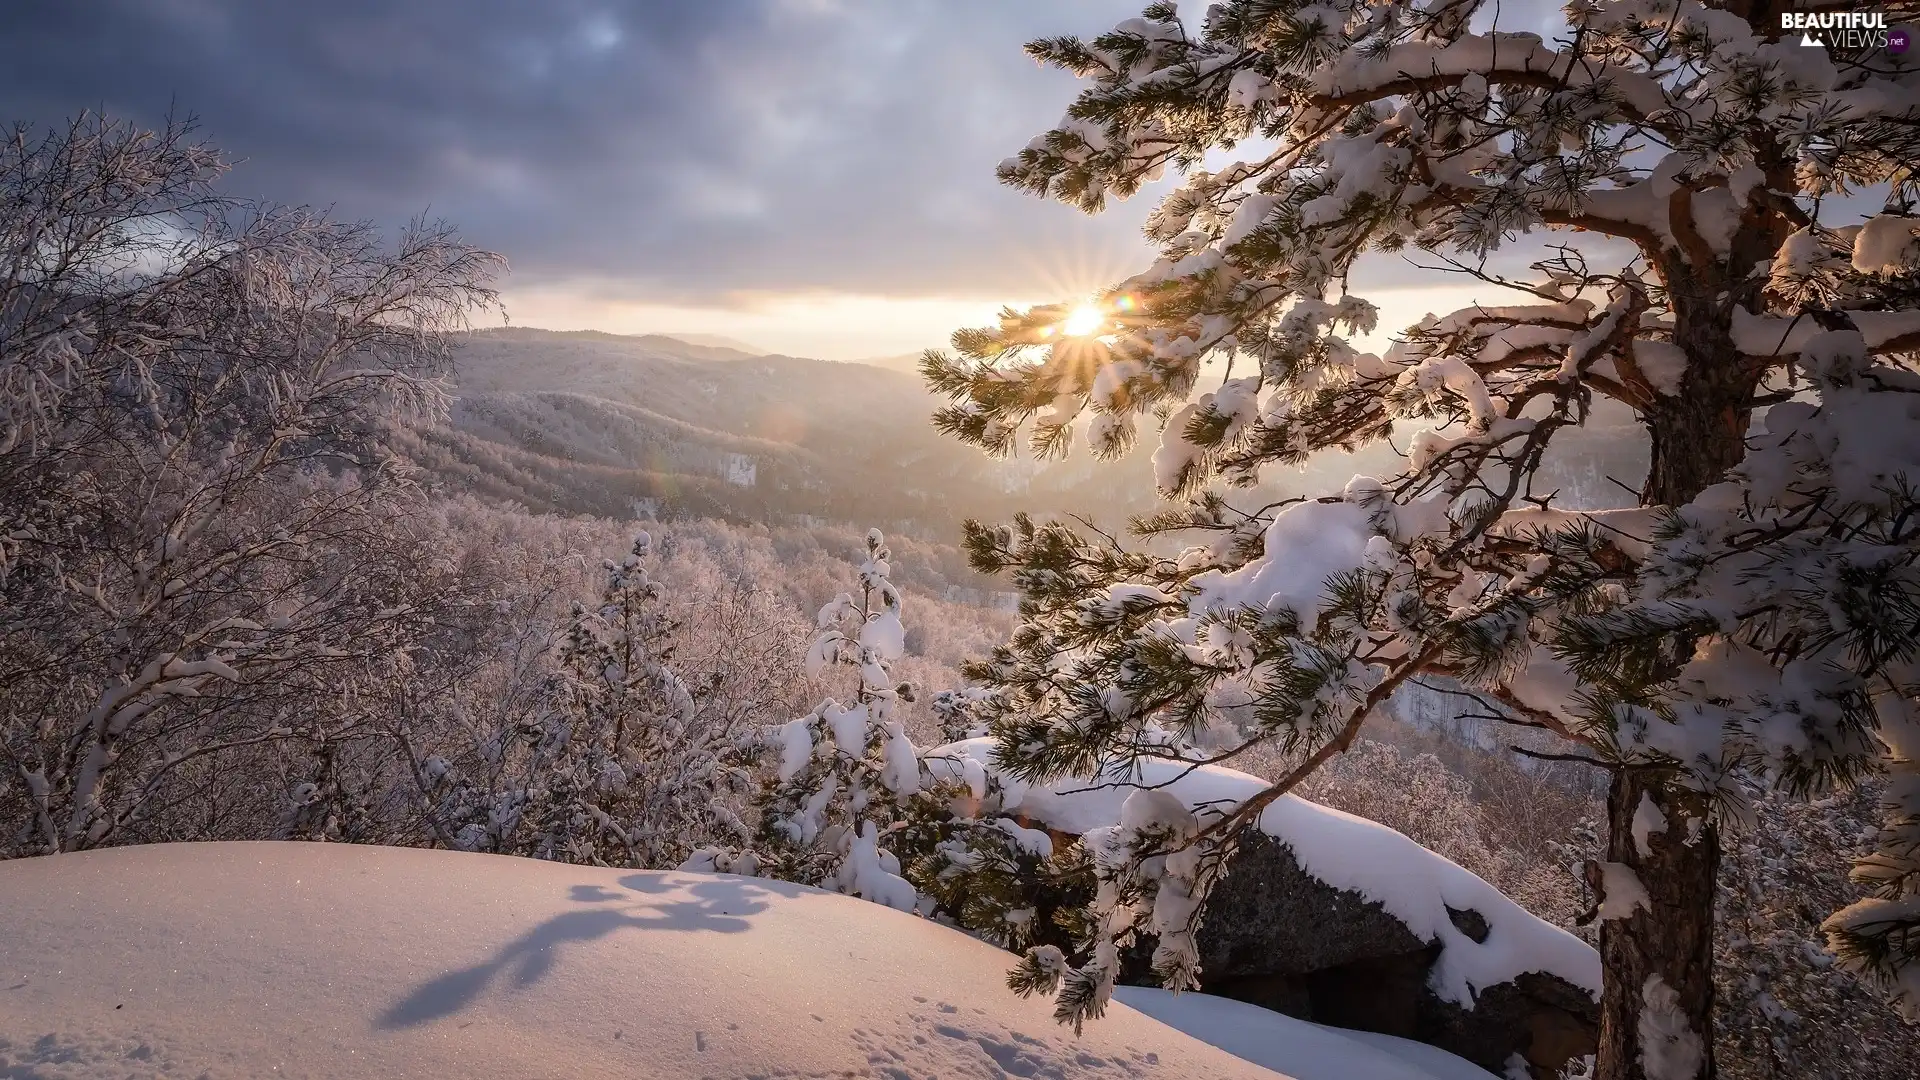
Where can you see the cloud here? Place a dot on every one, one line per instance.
(680, 150)
(657, 164)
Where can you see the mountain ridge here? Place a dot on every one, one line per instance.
(614, 424)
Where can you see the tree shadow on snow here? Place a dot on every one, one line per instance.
(670, 902)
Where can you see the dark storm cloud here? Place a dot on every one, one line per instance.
(693, 148)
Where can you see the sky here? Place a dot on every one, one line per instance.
(814, 177)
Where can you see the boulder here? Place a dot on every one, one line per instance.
(1332, 918)
(1276, 936)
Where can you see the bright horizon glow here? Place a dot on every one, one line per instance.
(819, 324)
(854, 326)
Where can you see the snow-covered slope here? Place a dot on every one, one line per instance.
(290, 960)
(1303, 1050)
(1413, 884)
(585, 422)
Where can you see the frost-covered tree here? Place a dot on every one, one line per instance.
(203, 543)
(1753, 618)
(850, 803)
(614, 766)
(668, 769)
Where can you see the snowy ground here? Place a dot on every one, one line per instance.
(1295, 1047)
(292, 960)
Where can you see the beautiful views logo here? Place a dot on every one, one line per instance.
(1847, 30)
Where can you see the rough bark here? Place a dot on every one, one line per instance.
(1671, 939)
(1697, 435)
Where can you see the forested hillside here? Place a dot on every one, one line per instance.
(585, 422)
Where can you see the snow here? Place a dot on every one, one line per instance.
(1882, 328)
(874, 874)
(1428, 445)
(1547, 684)
(1304, 1050)
(885, 635)
(1642, 204)
(1763, 335)
(1034, 842)
(1176, 455)
(1647, 820)
(1360, 166)
(1572, 312)
(1306, 544)
(1716, 217)
(1663, 363)
(1413, 884)
(1622, 892)
(1885, 245)
(1863, 917)
(1669, 1049)
(336, 960)
(1496, 55)
(901, 772)
(1743, 181)
(1122, 597)
(796, 747)
(849, 727)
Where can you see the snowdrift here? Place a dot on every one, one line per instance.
(1306, 1051)
(310, 960)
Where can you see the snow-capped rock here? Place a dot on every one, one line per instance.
(1335, 918)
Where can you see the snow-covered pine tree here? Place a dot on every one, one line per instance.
(850, 803)
(842, 774)
(1000, 880)
(1758, 613)
(617, 769)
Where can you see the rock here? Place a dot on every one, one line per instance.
(1275, 936)
(1469, 922)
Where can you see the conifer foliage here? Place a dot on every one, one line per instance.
(842, 775)
(1755, 618)
(849, 803)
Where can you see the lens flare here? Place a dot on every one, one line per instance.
(1084, 321)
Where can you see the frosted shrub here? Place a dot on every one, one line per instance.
(206, 555)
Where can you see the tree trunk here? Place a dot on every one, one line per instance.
(1697, 435)
(1669, 940)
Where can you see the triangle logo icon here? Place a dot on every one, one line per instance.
(1809, 39)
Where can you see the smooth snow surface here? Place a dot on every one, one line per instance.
(1413, 884)
(336, 960)
(1307, 1051)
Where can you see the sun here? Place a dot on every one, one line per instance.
(1083, 321)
